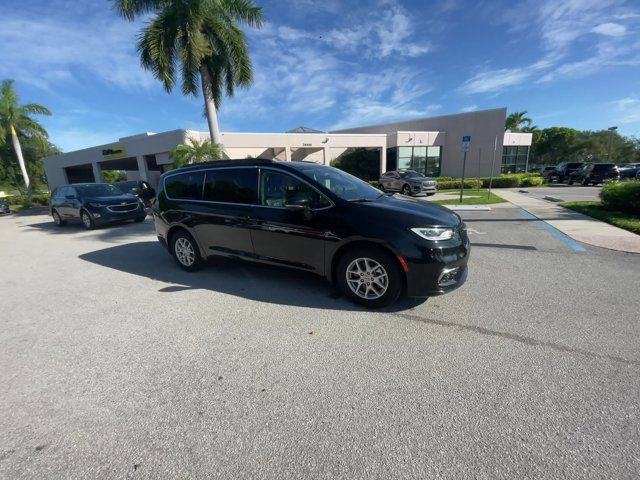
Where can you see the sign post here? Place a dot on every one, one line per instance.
(466, 142)
(495, 147)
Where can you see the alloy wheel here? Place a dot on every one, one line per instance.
(185, 252)
(56, 218)
(86, 219)
(367, 278)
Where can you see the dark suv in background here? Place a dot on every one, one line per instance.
(407, 182)
(312, 217)
(563, 170)
(94, 204)
(594, 173)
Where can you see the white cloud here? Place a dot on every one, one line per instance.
(610, 29)
(43, 50)
(627, 110)
(469, 108)
(562, 29)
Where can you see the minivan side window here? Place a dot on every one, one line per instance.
(185, 186)
(232, 185)
(277, 189)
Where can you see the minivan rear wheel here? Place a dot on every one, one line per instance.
(185, 252)
(370, 277)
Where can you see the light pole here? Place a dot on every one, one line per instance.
(611, 130)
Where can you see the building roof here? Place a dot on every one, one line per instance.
(302, 129)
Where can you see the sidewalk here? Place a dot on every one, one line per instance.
(576, 225)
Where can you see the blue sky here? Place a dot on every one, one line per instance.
(331, 64)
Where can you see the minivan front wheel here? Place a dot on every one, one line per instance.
(185, 252)
(370, 277)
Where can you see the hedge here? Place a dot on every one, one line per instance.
(37, 200)
(503, 181)
(622, 196)
(455, 184)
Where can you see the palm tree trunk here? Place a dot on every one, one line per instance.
(209, 104)
(18, 150)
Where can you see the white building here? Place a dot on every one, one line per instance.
(430, 145)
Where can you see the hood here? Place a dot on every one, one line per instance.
(114, 200)
(412, 212)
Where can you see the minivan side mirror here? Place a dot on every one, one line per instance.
(297, 204)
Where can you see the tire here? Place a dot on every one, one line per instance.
(140, 218)
(406, 190)
(185, 251)
(382, 188)
(369, 259)
(570, 182)
(57, 219)
(585, 183)
(87, 221)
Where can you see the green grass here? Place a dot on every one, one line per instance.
(471, 197)
(624, 220)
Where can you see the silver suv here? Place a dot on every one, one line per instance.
(407, 182)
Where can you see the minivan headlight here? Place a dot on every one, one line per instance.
(434, 233)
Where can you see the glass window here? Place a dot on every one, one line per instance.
(232, 185)
(97, 190)
(185, 186)
(277, 189)
(61, 193)
(405, 154)
(340, 183)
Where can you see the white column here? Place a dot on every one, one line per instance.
(383, 160)
(327, 155)
(287, 154)
(142, 168)
(97, 173)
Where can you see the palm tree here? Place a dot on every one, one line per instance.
(16, 121)
(516, 120)
(201, 38)
(195, 151)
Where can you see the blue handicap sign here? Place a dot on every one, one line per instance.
(466, 139)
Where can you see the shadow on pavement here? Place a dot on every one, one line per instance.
(262, 283)
(107, 232)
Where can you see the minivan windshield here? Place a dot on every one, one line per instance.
(99, 190)
(341, 183)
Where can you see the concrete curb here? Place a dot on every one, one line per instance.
(468, 208)
(553, 199)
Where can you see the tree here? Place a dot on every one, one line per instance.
(16, 122)
(114, 176)
(516, 120)
(203, 38)
(360, 162)
(195, 151)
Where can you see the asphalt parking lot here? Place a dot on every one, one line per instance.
(116, 364)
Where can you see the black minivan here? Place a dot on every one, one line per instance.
(94, 204)
(374, 246)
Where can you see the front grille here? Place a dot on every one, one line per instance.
(128, 207)
(428, 184)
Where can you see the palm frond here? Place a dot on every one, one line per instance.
(130, 9)
(157, 48)
(243, 11)
(35, 109)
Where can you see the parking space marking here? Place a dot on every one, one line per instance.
(575, 246)
(504, 245)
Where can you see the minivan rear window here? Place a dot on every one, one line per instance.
(185, 186)
(232, 185)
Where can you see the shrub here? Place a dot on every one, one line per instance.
(455, 184)
(532, 181)
(505, 181)
(623, 196)
(37, 200)
(374, 183)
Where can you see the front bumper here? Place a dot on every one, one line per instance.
(103, 215)
(426, 189)
(435, 270)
